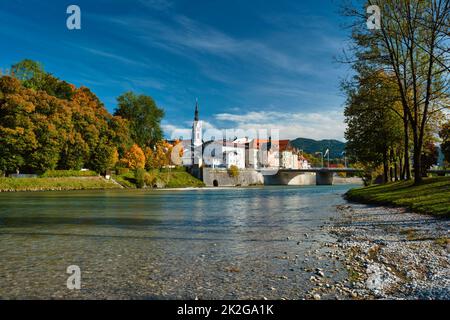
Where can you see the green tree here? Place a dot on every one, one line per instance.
(30, 72)
(33, 76)
(144, 118)
(413, 45)
(374, 130)
(104, 157)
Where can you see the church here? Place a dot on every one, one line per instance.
(242, 153)
(213, 153)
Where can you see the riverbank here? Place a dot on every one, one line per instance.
(389, 253)
(162, 179)
(56, 184)
(66, 180)
(430, 197)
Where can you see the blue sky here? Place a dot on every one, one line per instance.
(251, 64)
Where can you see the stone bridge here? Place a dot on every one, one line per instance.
(323, 176)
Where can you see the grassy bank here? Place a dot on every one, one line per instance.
(180, 180)
(52, 184)
(430, 197)
(176, 178)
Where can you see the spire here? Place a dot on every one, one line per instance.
(196, 110)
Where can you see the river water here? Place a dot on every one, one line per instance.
(249, 243)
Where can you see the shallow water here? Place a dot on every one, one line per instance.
(210, 244)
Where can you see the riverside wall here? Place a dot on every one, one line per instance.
(221, 178)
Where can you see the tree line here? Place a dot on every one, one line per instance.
(398, 102)
(47, 124)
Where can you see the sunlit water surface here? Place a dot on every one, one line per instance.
(208, 244)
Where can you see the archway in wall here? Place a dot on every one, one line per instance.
(215, 183)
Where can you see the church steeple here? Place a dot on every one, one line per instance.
(197, 141)
(196, 110)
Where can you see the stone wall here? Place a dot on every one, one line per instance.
(221, 178)
(248, 177)
(351, 180)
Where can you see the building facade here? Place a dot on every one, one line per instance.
(241, 152)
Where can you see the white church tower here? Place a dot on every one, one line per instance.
(197, 140)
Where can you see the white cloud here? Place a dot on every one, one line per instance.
(316, 125)
(181, 33)
(113, 56)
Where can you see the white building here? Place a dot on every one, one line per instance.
(242, 152)
(224, 154)
(197, 140)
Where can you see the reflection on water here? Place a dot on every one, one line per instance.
(162, 244)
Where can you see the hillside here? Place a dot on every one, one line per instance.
(311, 146)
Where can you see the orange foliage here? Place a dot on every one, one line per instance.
(134, 158)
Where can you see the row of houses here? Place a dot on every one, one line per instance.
(240, 152)
(244, 153)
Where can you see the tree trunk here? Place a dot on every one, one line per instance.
(407, 170)
(385, 167)
(417, 159)
(395, 170)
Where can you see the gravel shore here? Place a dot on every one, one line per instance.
(389, 253)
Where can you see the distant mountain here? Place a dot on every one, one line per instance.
(312, 146)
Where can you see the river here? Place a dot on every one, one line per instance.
(249, 243)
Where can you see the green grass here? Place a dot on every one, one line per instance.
(68, 173)
(176, 178)
(127, 180)
(47, 184)
(180, 180)
(432, 196)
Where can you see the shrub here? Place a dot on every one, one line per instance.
(68, 173)
(233, 171)
(150, 179)
(122, 171)
(139, 175)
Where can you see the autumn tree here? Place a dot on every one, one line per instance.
(134, 158)
(17, 137)
(46, 123)
(159, 156)
(40, 131)
(121, 135)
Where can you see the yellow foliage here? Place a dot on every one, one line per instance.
(159, 156)
(134, 158)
